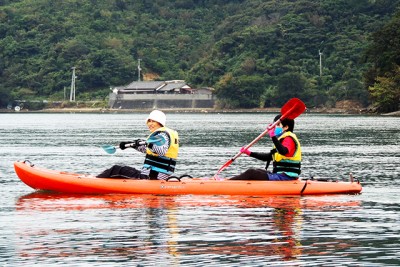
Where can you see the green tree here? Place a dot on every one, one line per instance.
(383, 78)
(200, 41)
(241, 92)
(384, 51)
(4, 97)
(386, 91)
(290, 85)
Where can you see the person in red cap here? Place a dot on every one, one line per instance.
(161, 148)
(285, 155)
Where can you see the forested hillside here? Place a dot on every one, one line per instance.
(254, 53)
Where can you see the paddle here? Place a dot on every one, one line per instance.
(157, 140)
(291, 110)
(110, 149)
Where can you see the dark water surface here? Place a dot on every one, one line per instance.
(146, 230)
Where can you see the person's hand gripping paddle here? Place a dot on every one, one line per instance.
(291, 110)
(157, 140)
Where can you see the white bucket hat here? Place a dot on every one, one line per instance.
(158, 116)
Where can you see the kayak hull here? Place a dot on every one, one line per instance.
(65, 182)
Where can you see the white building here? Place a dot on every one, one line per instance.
(160, 94)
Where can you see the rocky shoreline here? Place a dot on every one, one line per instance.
(199, 110)
(341, 107)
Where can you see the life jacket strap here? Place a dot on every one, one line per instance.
(287, 167)
(166, 164)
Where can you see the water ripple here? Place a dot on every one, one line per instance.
(148, 230)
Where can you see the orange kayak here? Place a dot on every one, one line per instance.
(66, 182)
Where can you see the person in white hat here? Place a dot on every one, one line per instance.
(161, 148)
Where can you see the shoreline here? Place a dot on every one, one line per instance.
(200, 110)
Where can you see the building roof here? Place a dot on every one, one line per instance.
(152, 86)
(172, 86)
(145, 85)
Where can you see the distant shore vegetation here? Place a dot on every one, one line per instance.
(256, 54)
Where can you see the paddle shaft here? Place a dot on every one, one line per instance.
(111, 149)
(229, 162)
(284, 115)
(132, 145)
(263, 133)
(257, 138)
(127, 145)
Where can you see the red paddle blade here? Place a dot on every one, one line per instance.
(293, 108)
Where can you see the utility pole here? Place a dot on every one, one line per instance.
(320, 59)
(320, 63)
(72, 93)
(139, 69)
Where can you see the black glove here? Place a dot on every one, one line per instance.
(138, 142)
(124, 145)
(133, 144)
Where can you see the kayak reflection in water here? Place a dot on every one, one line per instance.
(161, 148)
(285, 155)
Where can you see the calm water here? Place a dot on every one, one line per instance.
(146, 230)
